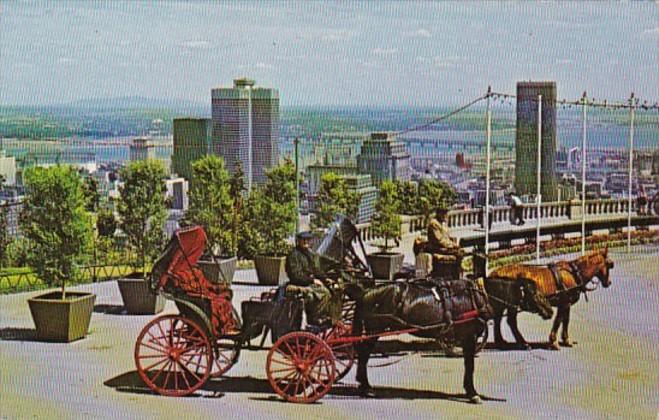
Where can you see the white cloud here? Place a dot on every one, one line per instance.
(419, 33)
(65, 61)
(437, 61)
(196, 44)
(335, 35)
(384, 52)
(264, 66)
(652, 31)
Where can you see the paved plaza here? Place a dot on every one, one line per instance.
(612, 371)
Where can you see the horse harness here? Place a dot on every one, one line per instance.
(560, 286)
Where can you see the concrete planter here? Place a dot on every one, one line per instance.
(62, 320)
(270, 270)
(138, 297)
(219, 271)
(385, 264)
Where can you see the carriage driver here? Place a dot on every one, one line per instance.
(439, 240)
(306, 278)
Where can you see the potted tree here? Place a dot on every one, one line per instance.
(334, 197)
(57, 225)
(142, 213)
(386, 224)
(212, 206)
(272, 216)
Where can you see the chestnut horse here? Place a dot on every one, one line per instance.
(562, 284)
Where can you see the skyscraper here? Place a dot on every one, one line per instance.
(246, 128)
(384, 157)
(526, 140)
(191, 142)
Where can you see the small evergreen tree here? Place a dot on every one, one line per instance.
(106, 223)
(386, 221)
(142, 209)
(433, 194)
(270, 214)
(408, 196)
(334, 198)
(92, 196)
(56, 223)
(237, 191)
(212, 203)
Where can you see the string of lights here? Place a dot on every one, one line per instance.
(441, 117)
(632, 102)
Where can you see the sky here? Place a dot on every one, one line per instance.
(340, 53)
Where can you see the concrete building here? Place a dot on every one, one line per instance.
(384, 157)
(191, 142)
(245, 128)
(8, 168)
(314, 174)
(141, 148)
(526, 140)
(177, 192)
(363, 186)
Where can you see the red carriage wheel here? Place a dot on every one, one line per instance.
(225, 354)
(300, 367)
(173, 356)
(344, 353)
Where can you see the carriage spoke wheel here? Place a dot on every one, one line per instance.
(344, 353)
(300, 367)
(173, 356)
(225, 354)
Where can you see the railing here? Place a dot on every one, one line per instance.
(473, 218)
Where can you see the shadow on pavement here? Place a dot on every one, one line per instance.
(516, 347)
(110, 309)
(132, 383)
(18, 334)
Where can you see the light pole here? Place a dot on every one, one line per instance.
(486, 216)
(297, 186)
(538, 180)
(583, 176)
(631, 169)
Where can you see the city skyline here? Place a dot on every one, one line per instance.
(353, 54)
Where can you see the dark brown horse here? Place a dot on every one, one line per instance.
(433, 310)
(561, 284)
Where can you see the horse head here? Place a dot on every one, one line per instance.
(533, 300)
(604, 265)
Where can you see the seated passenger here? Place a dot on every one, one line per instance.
(444, 249)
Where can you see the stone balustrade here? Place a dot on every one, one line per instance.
(472, 218)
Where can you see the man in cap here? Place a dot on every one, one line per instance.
(447, 254)
(307, 279)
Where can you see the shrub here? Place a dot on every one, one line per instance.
(334, 198)
(211, 203)
(142, 207)
(106, 223)
(55, 222)
(386, 222)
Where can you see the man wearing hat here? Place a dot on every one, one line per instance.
(306, 277)
(446, 253)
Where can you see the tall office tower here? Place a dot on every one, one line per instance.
(191, 142)
(246, 128)
(526, 140)
(384, 157)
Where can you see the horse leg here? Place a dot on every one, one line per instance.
(512, 323)
(364, 351)
(565, 335)
(498, 338)
(553, 343)
(468, 353)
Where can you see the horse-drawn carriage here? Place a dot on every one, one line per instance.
(176, 354)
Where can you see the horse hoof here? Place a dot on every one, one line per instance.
(554, 346)
(525, 346)
(475, 399)
(568, 343)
